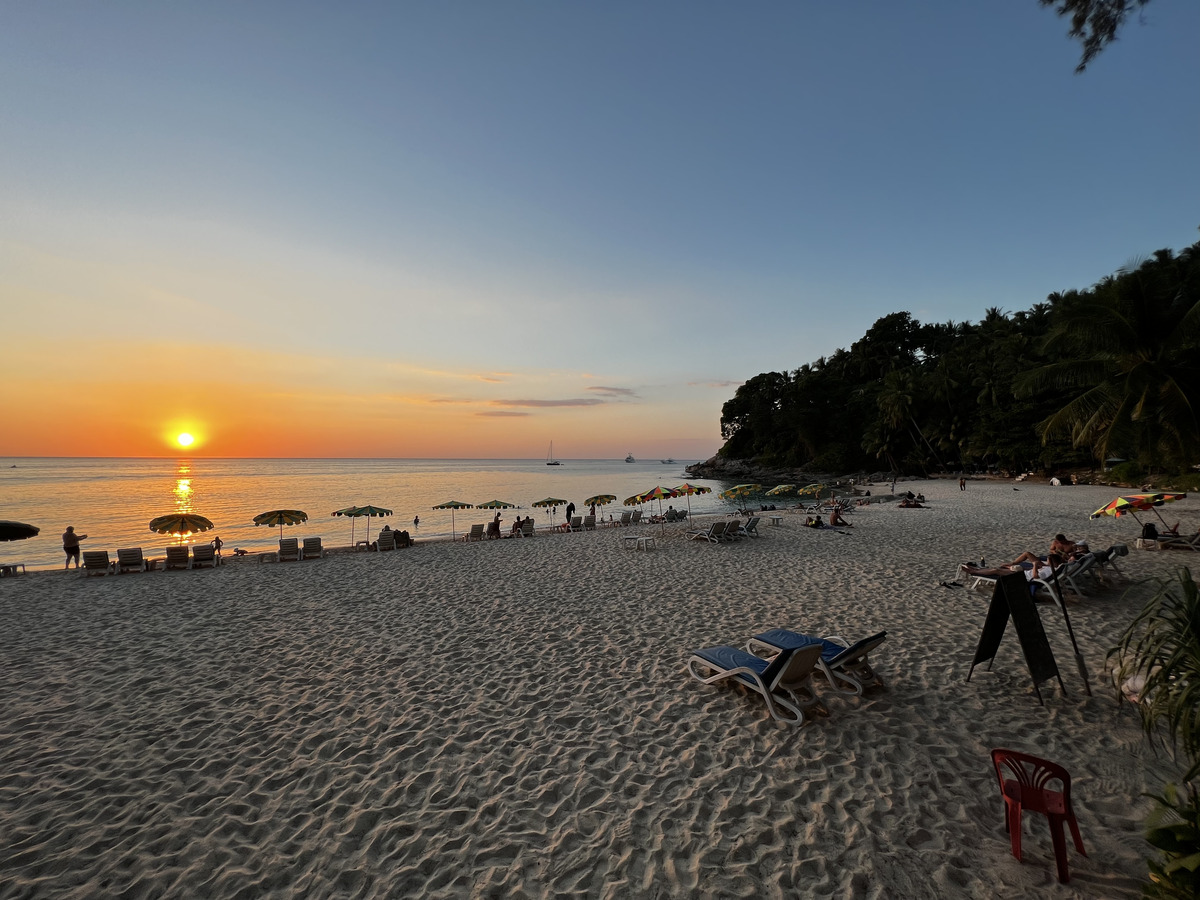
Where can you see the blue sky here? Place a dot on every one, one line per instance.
(501, 207)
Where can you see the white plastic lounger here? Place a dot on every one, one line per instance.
(845, 666)
(785, 682)
(713, 533)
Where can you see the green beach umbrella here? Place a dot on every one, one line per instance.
(548, 502)
(495, 504)
(358, 512)
(347, 511)
(738, 491)
(281, 517)
(452, 505)
(781, 489)
(600, 500)
(180, 524)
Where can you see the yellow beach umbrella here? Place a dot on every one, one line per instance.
(180, 524)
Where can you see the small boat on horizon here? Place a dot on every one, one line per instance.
(667, 462)
(550, 460)
(629, 458)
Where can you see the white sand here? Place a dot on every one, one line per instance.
(514, 719)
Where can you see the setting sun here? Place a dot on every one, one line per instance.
(185, 440)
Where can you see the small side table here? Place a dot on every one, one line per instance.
(11, 568)
(640, 543)
(776, 520)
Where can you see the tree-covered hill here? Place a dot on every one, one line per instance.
(1110, 371)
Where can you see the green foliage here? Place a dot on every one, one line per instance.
(1174, 830)
(1126, 473)
(1161, 647)
(1111, 370)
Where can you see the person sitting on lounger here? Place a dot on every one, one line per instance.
(911, 504)
(1037, 569)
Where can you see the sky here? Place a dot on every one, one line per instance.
(468, 229)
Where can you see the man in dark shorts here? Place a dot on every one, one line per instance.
(71, 545)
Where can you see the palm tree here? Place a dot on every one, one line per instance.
(1128, 351)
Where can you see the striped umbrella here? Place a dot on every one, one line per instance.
(281, 517)
(600, 500)
(738, 491)
(781, 489)
(657, 493)
(495, 504)
(358, 512)
(687, 490)
(452, 505)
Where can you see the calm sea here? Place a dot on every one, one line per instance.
(113, 500)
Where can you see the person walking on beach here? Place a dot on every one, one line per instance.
(570, 511)
(71, 545)
(217, 544)
(962, 484)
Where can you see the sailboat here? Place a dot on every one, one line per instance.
(550, 460)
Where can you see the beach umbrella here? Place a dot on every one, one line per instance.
(452, 505)
(600, 500)
(814, 489)
(781, 489)
(1158, 499)
(549, 502)
(17, 531)
(180, 524)
(1123, 506)
(657, 493)
(281, 517)
(635, 500)
(495, 504)
(347, 512)
(687, 490)
(738, 491)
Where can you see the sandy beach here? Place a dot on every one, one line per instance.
(514, 719)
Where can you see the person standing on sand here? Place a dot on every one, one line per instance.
(570, 512)
(962, 484)
(71, 545)
(217, 544)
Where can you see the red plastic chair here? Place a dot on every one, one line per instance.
(1025, 789)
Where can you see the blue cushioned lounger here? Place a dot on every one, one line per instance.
(844, 665)
(784, 682)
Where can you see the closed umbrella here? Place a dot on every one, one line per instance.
(452, 505)
(17, 531)
(180, 524)
(281, 517)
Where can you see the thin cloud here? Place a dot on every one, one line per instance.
(613, 391)
(716, 384)
(502, 413)
(544, 404)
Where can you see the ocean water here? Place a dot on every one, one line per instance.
(113, 500)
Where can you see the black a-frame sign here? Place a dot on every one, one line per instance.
(1011, 599)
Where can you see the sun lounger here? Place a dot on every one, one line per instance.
(527, 528)
(131, 561)
(625, 519)
(845, 666)
(475, 534)
(95, 562)
(385, 542)
(714, 533)
(178, 557)
(576, 523)
(785, 682)
(636, 518)
(1179, 541)
(289, 550)
(750, 529)
(589, 523)
(312, 549)
(204, 555)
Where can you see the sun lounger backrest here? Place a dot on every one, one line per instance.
(625, 517)
(313, 548)
(386, 541)
(589, 523)
(130, 559)
(177, 557)
(203, 555)
(637, 517)
(95, 561)
(857, 650)
(527, 528)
